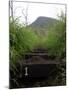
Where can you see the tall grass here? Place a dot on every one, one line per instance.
(22, 39)
(55, 40)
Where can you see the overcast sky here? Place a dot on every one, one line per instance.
(35, 10)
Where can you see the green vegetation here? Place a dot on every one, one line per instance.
(22, 39)
(55, 40)
(26, 39)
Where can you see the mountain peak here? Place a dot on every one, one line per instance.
(42, 21)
